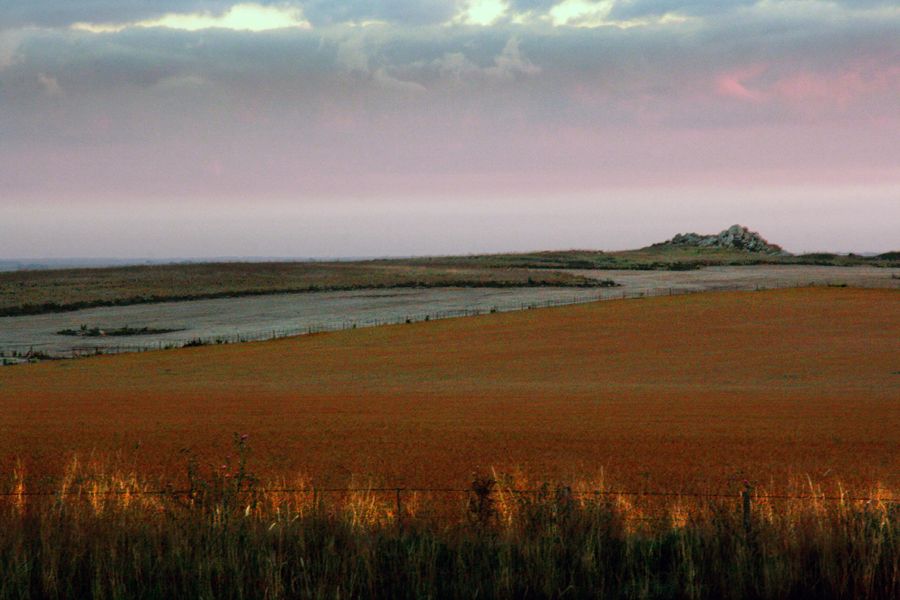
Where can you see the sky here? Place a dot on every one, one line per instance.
(131, 128)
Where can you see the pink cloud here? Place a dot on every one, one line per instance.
(733, 84)
(839, 90)
(811, 93)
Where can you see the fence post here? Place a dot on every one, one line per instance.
(745, 496)
(399, 512)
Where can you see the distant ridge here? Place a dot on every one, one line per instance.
(47, 264)
(736, 237)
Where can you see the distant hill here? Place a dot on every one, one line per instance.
(735, 246)
(44, 264)
(736, 237)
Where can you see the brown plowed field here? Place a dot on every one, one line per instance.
(692, 392)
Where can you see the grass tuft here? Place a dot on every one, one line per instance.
(105, 534)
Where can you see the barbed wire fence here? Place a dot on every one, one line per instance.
(25, 352)
(395, 497)
(462, 491)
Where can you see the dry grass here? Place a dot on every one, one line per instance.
(99, 537)
(684, 393)
(666, 257)
(32, 292)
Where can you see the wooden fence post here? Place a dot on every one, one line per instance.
(399, 512)
(745, 496)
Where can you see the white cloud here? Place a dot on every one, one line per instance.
(9, 46)
(506, 65)
(456, 65)
(482, 12)
(589, 14)
(575, 11)
(355, 56)
(388, 81)
(510, 62)
(240, 17)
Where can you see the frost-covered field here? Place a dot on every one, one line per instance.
(263, 316)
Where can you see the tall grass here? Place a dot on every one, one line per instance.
(103, 536)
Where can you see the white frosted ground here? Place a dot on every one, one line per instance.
(260, 316)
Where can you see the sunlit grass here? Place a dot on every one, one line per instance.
(105, 532)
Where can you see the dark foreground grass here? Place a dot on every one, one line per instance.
(553, 545)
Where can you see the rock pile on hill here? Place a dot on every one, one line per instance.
(736, 237)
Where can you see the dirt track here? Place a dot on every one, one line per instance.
(259, 316)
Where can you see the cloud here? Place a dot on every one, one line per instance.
(482, 12)
(811, 93)
(734, 84)
(507, 65)
(63, 13)
(510, 63)
(352, 54)
(631, 9)
(240, 17)
(50, 85)
(408, 12)
(605, 13)
(636, 9)
(9, 44)
(340, 105)
(388, 81)
(608, 63)
(532, 5)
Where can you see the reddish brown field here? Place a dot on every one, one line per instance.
(679, 393)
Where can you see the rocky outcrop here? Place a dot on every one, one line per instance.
(736, 237)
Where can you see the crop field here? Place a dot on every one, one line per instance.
(696, 392)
